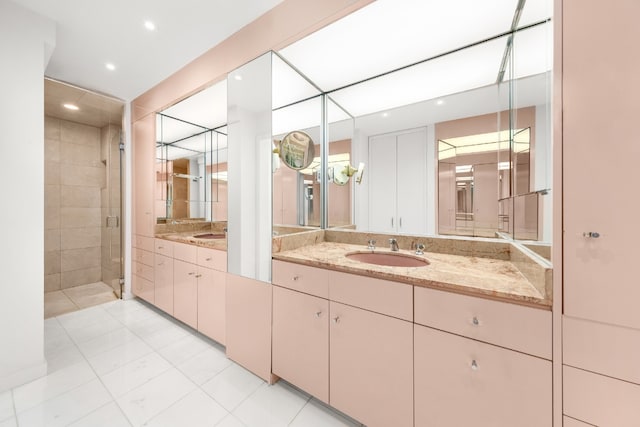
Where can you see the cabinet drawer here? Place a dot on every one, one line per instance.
(310, 280)
(600, 400)
(163, 247)
(463, 382)
(143, 257)
(163, 283)
(142, 270)
(606, 349)
(143, 242)
(184, 252)
(508, 325)
(212, 258)
(382, 296)
(143, 288)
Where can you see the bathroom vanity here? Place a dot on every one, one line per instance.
(405, 346)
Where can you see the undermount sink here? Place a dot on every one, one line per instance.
(390, 259)
(210, 236)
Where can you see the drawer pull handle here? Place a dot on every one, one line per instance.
(474, 365)
(475, 321)
(191, 273)
(591, 234)
(198, 275)
(336, 319)
(161, 263)
(208, 259)
(160, 247)
(295, 278)
(318, 314)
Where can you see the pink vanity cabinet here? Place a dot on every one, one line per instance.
(163, 275)
(212, 289)
(601, 316)
(143, 268)
(347, 340)
(480, 362)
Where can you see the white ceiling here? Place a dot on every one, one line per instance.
(92, 33)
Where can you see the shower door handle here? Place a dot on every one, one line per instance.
(113, 221)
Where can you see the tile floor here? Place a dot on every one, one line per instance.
(76, 298)
(124, 363)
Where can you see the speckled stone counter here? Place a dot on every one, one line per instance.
(511, 276)
(186, 232)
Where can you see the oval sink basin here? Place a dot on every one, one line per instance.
(388, 258)
(210, 236)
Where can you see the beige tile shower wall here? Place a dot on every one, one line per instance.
(74, 176)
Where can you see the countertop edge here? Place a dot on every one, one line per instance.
(539, 303)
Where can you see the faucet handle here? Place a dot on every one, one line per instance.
(371, 244)
(420, 249)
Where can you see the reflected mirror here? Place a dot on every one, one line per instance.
(296, 150)
(191, 158)
(455, 133)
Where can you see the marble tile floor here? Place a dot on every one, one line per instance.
(124, 363)
(76, 298)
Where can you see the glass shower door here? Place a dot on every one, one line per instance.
(112, 254)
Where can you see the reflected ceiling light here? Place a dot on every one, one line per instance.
(149, 25)
(110, 66)
(71, 107)
(237, 77)
(385, 114)
(463, 168)
(440, 102)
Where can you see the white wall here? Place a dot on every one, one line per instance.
(26, 42)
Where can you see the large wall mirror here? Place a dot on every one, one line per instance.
(451, 117)
(191, 158)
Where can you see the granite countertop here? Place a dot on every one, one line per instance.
(188, 238)
(477, 276)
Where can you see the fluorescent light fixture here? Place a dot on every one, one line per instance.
(72, 107)
(464, 168)
(483, 143)
(149, 25)
(288, 85)
(504, 166)
(110, 66)
(327, 56)
(430, 80)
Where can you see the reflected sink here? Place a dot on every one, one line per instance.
(210, 236)
(390, 259)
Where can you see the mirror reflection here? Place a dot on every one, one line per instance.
(455, 137)
(191, 158)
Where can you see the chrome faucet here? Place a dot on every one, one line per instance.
(371, 245)
(394, 245)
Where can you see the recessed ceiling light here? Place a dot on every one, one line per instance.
(149, 25)
(385, 114)
(110, 66)
(440, 102)
(71, 107)
(237, 77)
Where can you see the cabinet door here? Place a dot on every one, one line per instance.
(144, 153)
(371, 366)
(382, 183)
(185, 292)
(462, 382)
(163, 291)
(301, 341)
(143, 288)
(411, 170)
(485, 197)
(212, 285)
(600, 109)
